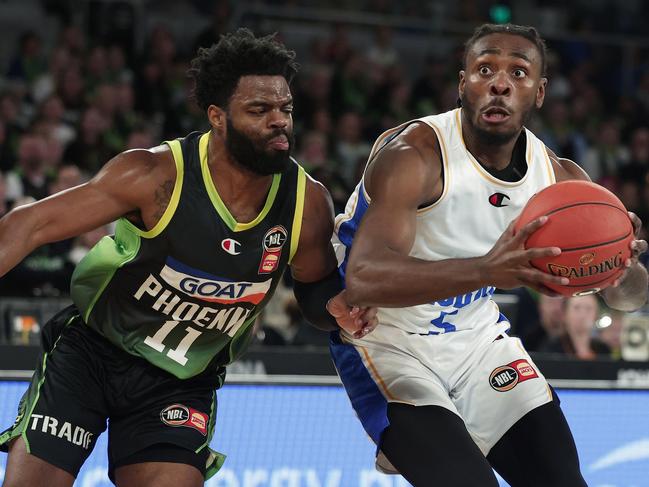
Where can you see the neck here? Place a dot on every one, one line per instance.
(491, 154)
(233, 181)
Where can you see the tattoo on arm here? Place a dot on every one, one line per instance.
(162, 197)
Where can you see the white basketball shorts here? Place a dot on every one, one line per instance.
(484, 376)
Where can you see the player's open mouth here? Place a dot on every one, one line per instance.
(279, 143)
(495, 115)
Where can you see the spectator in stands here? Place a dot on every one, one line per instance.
(219, 24)
(314, 155)
(140, 138)
(52, 112)
(560, 135)
(350, 86)
(550, 324)
(578, 338)
(118, 71)
(28, 63)
(89, 151)
(13, 128)
(429, 86)
(612, 333)
(382, 52)
(604, 158)
(45, 85)
(71, 88)
(6, 158)
(351, 149)
(30, 177)
(4, 207)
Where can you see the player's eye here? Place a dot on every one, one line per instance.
(484, 70)
(519, 73)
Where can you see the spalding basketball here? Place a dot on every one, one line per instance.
(592, 228)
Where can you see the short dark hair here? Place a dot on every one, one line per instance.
(528, 32)
(216, 70)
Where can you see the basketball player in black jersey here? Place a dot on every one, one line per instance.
(206, 226)
(501, 83)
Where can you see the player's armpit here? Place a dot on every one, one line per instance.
(121, 187)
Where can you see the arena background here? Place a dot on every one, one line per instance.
(82, 80)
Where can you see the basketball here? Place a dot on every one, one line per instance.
(592, 228)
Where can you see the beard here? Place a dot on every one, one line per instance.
(250, 156)
(487, 137)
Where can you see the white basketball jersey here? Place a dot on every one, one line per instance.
(473, 211)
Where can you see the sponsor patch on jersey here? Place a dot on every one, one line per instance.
(275, 238)
(214, 289)
(179, 415)
(506, 377)
(231, 246)
(273, 242)
(498, 200)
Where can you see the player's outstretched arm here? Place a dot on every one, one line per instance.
(117, 190)
(405, 175)
(630, 292)
(318, 286)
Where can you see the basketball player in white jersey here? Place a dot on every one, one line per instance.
(440, 387)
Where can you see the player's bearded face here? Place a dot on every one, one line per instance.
(255, 154)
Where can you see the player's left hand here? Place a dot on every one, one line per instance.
(638, 247)
(355, 320)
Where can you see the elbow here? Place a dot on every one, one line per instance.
(357, 286)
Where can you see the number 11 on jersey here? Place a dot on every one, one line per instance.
(176, 354)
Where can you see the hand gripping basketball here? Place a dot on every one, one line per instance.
(590, 225)
(507, 264)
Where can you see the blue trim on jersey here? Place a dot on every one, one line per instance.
(348, 228)
(366, 398)
(185, 269)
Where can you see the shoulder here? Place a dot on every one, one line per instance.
(153, 164)
(412, 158)
(565, 169)
(418, 137)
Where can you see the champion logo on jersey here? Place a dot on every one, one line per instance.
(498, 200)
(206, 287)
(231, 246)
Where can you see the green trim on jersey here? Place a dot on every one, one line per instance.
(177, 152)
(220, 207)
(100, 264)
(299, 210)
(28, 402)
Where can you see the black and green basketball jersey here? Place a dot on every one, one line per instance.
(186, 293)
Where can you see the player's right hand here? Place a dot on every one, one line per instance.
(507, 264)
(355, 320)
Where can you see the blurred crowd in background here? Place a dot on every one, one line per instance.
(99, 83)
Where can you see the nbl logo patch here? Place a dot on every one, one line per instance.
(273, 242)
(506, 377)
(178, 415)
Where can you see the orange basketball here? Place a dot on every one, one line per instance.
(592, 228)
